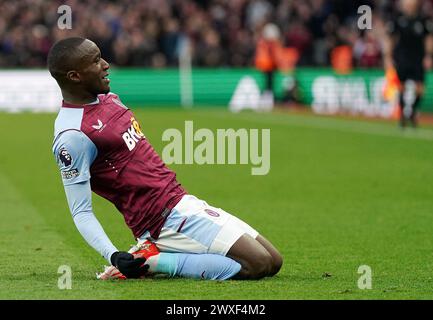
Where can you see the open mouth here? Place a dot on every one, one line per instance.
(105, 78)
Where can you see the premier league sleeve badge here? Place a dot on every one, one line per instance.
(64, 157)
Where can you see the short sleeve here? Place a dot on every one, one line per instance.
(74, 153)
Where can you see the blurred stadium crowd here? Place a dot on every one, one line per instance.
(222, 32)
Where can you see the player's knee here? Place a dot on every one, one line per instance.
(261, 266)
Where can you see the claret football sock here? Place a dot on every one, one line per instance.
(197, 266)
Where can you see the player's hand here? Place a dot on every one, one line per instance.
(128, 266)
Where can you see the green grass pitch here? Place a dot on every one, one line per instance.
(340, 193)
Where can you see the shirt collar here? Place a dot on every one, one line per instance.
(70, 105)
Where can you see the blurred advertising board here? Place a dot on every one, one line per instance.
(360, 92)
(28, 90)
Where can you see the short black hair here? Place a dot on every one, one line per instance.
(62, 56)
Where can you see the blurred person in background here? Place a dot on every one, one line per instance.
(367, 50)
(267, 55)
(288, 59)
(409, 49)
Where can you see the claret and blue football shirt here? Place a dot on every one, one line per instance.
(102, 144)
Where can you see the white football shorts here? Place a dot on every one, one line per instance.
(194, 226)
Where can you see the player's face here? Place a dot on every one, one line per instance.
(93, 70)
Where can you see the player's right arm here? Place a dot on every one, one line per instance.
(74, 153)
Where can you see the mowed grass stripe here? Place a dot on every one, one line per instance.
(31, 250)
(333, 124)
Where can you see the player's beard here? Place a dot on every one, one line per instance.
(105, 87)
(99, 86)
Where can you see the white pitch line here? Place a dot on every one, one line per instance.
(336, 125)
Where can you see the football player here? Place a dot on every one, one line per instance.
(99, 146)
